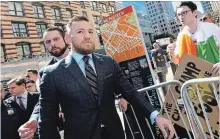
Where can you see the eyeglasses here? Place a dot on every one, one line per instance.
(183, 13)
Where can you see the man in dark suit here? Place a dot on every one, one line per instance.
(17, 108)
(84, 84)
(56, 45)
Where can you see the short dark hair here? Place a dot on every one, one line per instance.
(62, 33)
(29, 81)
(18, 81)
(34, 71)
(75, 19)
(189, 4)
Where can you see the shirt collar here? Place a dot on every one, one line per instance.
(24, 95)
(78, 57)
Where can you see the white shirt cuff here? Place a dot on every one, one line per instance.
(153, 115)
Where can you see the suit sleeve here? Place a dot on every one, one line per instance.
(36, 112)
(48, 108)
(135, 98)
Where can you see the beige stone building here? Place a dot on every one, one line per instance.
(23, 23)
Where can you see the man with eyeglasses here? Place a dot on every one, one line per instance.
(207, 18)
(195, 37)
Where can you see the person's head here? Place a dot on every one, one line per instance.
(80, 35)
(32, 74)
(156, 45)
(16, 86)
(54, 41)
(2, 91)
(187, 13)
(207, 18)
(30, 86)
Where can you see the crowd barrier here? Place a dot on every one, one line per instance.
(202, 104)
(145, 90)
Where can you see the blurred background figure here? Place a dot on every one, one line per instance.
(31, 86)
(207, 18)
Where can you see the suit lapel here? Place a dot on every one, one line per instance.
(73, 68)
(98, 61)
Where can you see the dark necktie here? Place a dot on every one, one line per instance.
(91, 77)
(21, 102)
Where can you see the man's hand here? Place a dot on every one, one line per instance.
(123, 104)
(164, 123)
(28, 129)
(216, 69)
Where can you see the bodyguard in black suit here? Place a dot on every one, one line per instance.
(55, 44)
(16, 112)
(84, 84)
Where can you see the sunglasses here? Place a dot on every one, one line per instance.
(204, 19)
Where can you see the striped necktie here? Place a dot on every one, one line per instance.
(21, 104)
(91, 77)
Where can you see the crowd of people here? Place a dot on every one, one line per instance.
(75, 91)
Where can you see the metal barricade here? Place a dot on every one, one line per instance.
(193, 118)
(146, 89)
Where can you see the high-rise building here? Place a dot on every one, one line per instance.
(160, 14)
(24, 22)
(142, 17)
(207, 6)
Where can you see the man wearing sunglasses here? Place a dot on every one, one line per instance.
(207, 18)
(195, 37)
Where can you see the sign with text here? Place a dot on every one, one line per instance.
(123, 40)
(192, 67)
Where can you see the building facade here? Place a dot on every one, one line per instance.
(207, 6)
(160, 13)
(23, 23)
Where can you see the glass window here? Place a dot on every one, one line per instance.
(104, 8)
(66, 2)
(43, 48)
(61, 26)
(84, 13)
(3, 53)
(19, 29)
(41, 27)
(23, 49)
(16, 8)
(38, 11)
(93, 5)
(56, 13)
(69, 13)
(82, 5)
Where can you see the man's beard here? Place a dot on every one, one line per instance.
(59, 53)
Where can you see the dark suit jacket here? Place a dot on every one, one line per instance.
(65, 83)
(11, 123)
(36, 111)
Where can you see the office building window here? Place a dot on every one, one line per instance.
(19, 29)
(23, 49)
(38, 11)
(82, 5)
(41, 27)
(16, 8)
(84, 13)
(56, 13)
